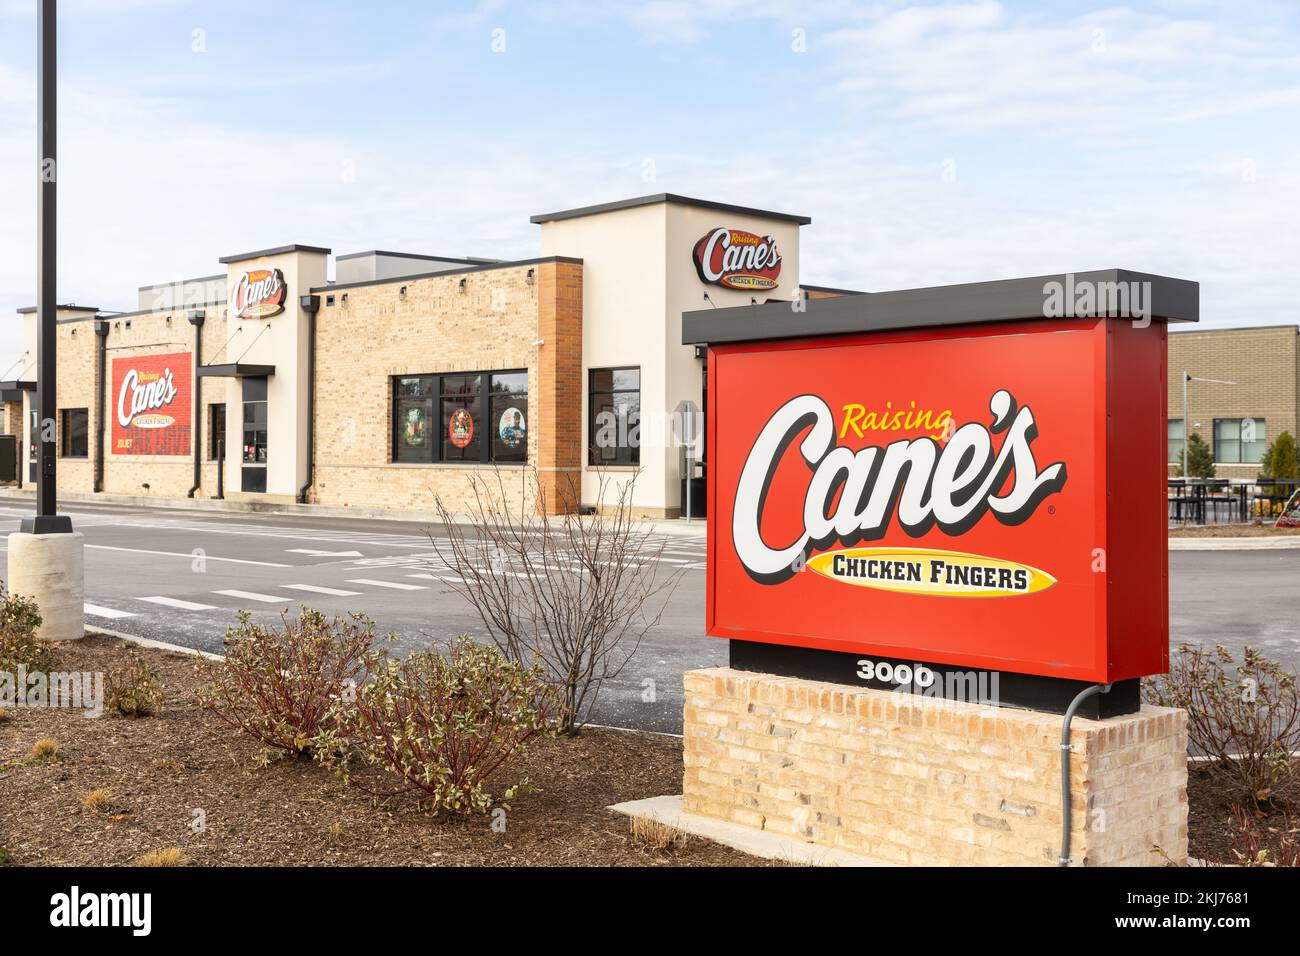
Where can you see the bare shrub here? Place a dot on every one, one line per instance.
(19, 645)
(1245, 716)
(575, 592)
(172, 856)
(446, 724)
(657, 836)
(99, 800)
(47, 748)
(133, 689)
(278, 684)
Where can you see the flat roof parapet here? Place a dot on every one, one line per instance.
(657, 198)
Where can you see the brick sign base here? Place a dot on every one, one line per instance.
(924, 781)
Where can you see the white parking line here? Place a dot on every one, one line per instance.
(94, 610)
(187, 554)
(179, 604)
(253, 596)
(317, 589)
(395, 585)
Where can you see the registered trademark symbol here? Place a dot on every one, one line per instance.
(1051, 509)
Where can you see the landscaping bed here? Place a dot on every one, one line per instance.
(1233, 531)
(163, 776)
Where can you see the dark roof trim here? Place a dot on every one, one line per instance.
(29, 310)
(827, 288)
(236, 370)
(1240, 328)
(670, 198)
(277, 251)
(467, 260)
(111, 316)
(1172, 300)
(446, 273)
(20, 385)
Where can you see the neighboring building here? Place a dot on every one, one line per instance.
(1240, 420)
(409, 374)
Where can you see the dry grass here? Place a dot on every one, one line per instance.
(651, 834)
(47, 748)
(5, 715)
(99, 800)
(172, 856)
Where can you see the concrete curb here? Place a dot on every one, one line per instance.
(152, 644)
(1263, 543)
(690, 529)
(760, 843)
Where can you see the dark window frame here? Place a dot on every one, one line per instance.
(1241, 457)
(434, 393)
(67, 433)
(214, 434)
(625, 456)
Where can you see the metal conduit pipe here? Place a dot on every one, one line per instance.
(1070, 711)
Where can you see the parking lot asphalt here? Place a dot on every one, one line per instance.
(182, 576)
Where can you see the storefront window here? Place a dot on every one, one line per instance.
(216, 431)
(413, 424)
(1177, 435)
(614, 428)
(76, 433)
(448, 418)
(509, 417)
(1239, 440)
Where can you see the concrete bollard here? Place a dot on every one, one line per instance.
(50, 568)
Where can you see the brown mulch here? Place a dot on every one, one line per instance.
(1233, 531)
(1211, 823)
(292, 812)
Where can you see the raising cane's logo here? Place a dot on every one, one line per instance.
(258, 294)
(925, 482)
(142, 398)
(736, 259)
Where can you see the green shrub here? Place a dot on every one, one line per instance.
(133, 689)
(19, 645)
(446, 724)
(278, 684)
(1245, 717)
(1200, 459)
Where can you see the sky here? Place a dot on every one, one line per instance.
(930, 143)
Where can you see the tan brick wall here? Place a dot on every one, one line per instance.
(372, 333)
(1265, 364)
(148, 334)
(922, 781)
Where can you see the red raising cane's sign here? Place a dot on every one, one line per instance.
(736, 259)
(258, 294)
(151, 408)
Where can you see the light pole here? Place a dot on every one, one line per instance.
(46, 557)
(1188, 377)
(47, 520)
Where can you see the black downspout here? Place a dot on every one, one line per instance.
(311, 305)
(196, 413)
(101, 333)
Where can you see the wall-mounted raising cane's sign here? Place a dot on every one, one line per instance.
(940, 496)
(151, 405)
(258, 294)
(736, 259)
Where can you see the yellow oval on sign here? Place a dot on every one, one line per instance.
(923, 571)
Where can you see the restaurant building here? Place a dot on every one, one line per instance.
(1244, 392)
(406, 375)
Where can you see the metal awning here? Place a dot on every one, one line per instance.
(13, 391)
(236, 370)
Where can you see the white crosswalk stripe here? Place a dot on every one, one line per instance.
(395, 585)
(254, 596)
(94, 610)
(317, 589)
(178, 604)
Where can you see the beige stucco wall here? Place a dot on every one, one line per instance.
(639, 277)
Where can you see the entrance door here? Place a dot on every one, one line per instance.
(253, 473)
